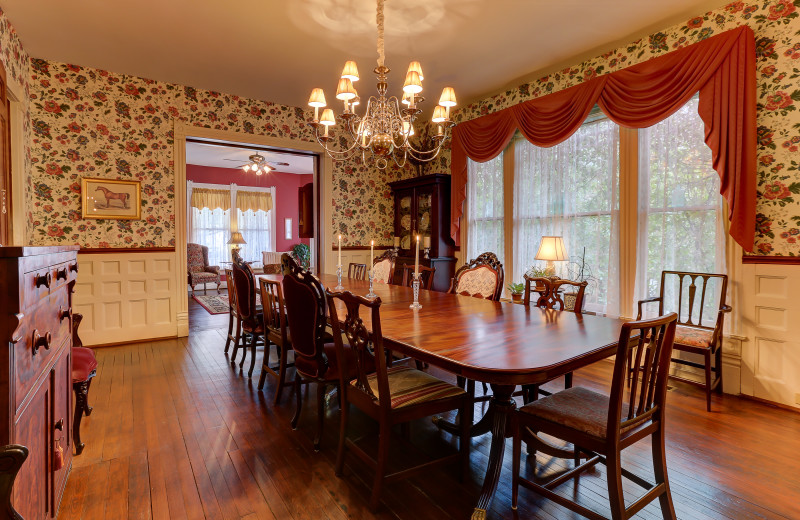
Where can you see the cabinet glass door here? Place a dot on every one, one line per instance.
(423, 215)
(405, 217)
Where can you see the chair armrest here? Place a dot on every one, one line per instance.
(725, 308)
(646, 300)
(212, 269)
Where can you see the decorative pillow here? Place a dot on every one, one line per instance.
(480, 282)
(381, 270)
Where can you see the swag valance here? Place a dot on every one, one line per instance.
(211, 199)
(255, 200)
(722, 69)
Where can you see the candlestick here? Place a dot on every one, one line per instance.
(338, 277)
(371, 293)
(415, 287)
(416, 259)
(340, 249)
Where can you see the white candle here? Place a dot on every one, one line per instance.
(340, 250)
(426, 242)
(416, 260)
(371, 244)
(397, 242)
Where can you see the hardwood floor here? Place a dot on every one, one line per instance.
(178, 432)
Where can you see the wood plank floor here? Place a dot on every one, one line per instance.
(178, 432)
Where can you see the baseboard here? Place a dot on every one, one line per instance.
(119, 343)
(183, 323)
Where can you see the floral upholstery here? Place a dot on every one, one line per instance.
(195, 259)
(199, 270)
(381, 270)
(480, 282)
(576, 408)
(409, 386)
(693, 337)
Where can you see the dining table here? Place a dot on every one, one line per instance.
(498, 343)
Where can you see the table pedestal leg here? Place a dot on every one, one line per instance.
(500, 407)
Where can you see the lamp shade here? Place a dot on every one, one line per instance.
(317, 98)
(350, 71)
(412, 85)
(416, 67)
(406, 98)
(327, 118)
(448, 97)
(552, 249)
(345, 90)
(236, 238)
(438, 114)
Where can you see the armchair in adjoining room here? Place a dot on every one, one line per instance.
(199, 270)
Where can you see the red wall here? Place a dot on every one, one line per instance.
(285, 203)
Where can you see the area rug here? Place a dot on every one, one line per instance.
(217, 303)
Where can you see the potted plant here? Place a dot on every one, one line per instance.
(537, 272)
(516, 290)
(302, 253)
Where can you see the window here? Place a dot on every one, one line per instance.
(485, 203)
(257, 232)
(212, 228)
(577, 190)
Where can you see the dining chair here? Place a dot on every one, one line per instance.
(383, 267)
(601, 426)
(357, 271)
(252, 321)
(315, 356)
(480, 278)
(388, 394)
(693, 334)
(233, 316)
(549, 297)
(425, 274)
(84, 369)
(276, 329)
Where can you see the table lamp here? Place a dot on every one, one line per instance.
(551, 249)
(236, 239)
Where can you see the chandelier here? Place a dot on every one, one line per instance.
(258, 165)
(384, 128)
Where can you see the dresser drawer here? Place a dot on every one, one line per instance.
(36, 285)
(45, 328)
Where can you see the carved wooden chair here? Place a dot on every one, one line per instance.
(233, 316)
(601, 426)
(481, 278)
(84, 369)
(199, 270)
(12, 457)
(383, 266)
(357, 271)
(549, 297)
(277, 333)
(315, 356)
(252, 321)
(389, 394)
(425, 274)
(694, 334)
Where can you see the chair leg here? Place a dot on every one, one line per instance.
(465, 442)
(87, 410)
(460, 381)
(568, 380)
(345, 408)
(81, 389)
(283, 352)
(718, 369)
(660, 470)
(708, 379)
(230, 332)
(515, 463)
(380, 467)
(264, 365)
(298, 401)
(205, 288)
(236, 340)
(253, 354)
(320, 414)
(615, 496)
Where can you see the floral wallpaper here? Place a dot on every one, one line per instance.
(776, 24)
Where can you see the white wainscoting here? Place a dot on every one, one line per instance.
(357, 256)
(771, 322)
(126, 296)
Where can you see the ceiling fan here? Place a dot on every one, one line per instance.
(258, 164)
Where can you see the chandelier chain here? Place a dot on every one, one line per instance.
(379, 20)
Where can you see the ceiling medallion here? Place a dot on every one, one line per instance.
(384, 129)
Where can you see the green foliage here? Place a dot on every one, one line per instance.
(516, 288)
(302, 253)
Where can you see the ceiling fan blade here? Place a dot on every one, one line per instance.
(272, 163)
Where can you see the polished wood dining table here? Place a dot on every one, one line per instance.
(498, 343)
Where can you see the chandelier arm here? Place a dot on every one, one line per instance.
(343, 153)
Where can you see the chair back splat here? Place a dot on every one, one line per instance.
(357, 271)
(426, 275)
(481, 278)
(244, 284)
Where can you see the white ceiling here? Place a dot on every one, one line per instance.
(221, 156)
(277, 50)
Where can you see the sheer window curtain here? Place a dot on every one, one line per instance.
(212, 228)
(572, 190)
(681, 220)
(485, 209)
(256, 228)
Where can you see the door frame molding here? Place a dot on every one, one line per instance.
(324, 192)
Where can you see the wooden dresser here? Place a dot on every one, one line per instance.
(36, 286)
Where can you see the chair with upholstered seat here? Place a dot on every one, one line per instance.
(233, 317)
(425, 274)
(84, 369)
(388, 394)
(695, 334)
(480, 278)
(252, 321)
(383, 267)
(601, 426)
(199, 270)
(277, 333)
(357, 271)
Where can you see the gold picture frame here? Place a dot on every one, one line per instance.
(111, 199)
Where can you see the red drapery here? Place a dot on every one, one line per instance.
(722, 68)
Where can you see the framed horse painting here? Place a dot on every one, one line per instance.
(111, 198)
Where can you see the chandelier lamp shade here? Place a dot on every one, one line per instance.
(258, 164)
(384, 128)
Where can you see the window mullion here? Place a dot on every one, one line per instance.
(628, 216)
(508, 211)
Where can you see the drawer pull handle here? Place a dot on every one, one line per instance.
(61, 274)
(64, 313)
(40, 340)
(73, 267)
(43, 279)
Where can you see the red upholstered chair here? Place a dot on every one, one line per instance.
(481, 278)
(315, 359)
(199, 270)
(250, 317)
(390, 395)
(84, 368)
(601, 426)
